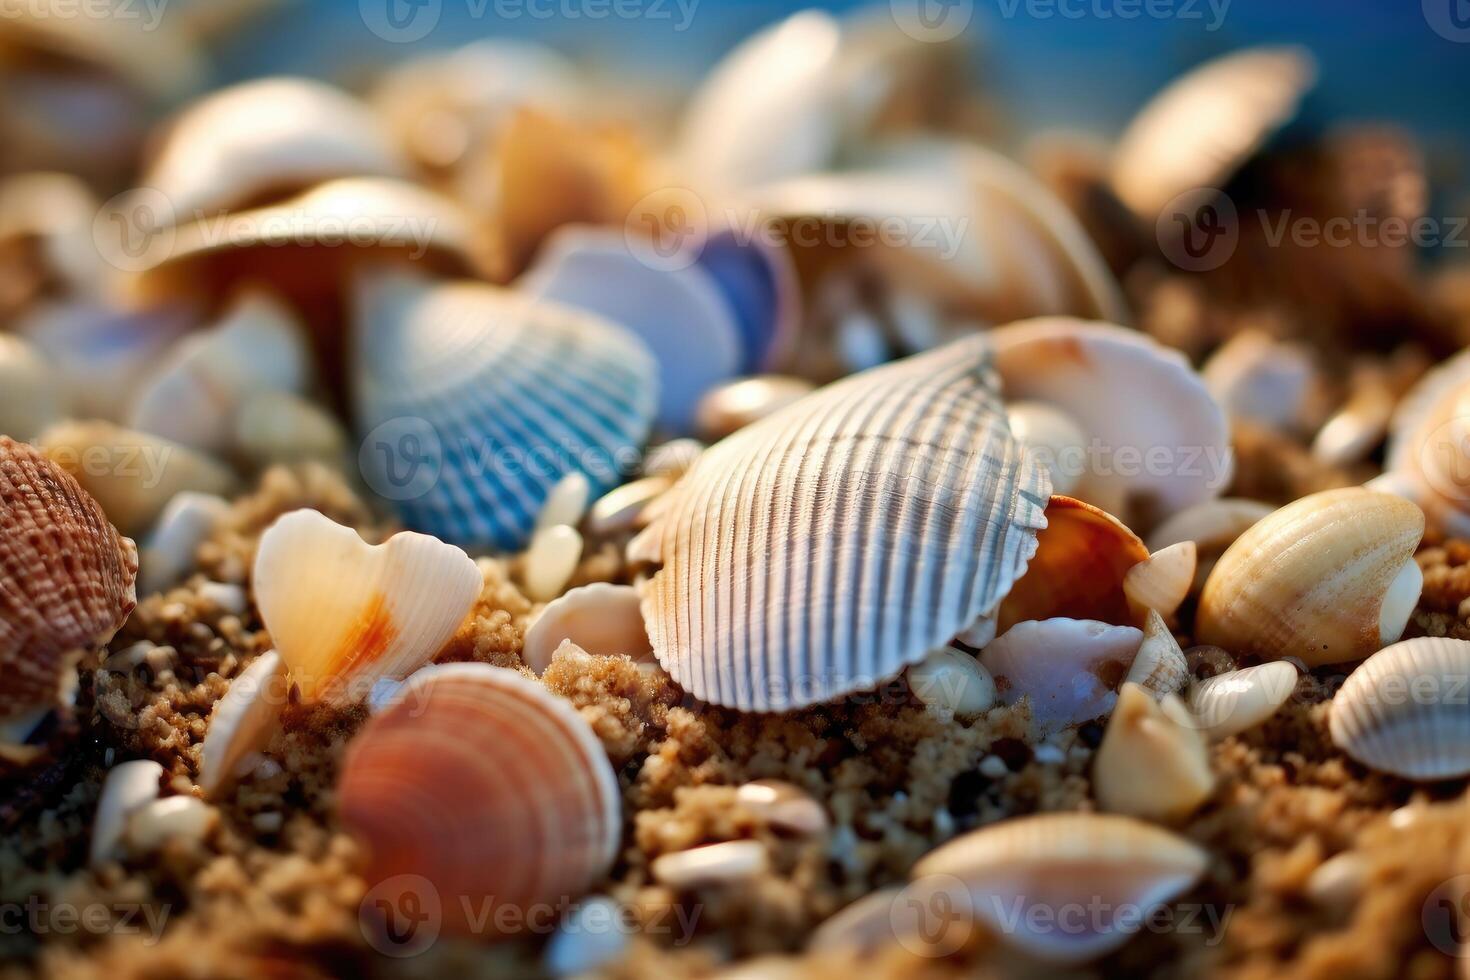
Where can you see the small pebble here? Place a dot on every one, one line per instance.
(183, 818)
(268, 823)
(229, 598)
(1049, 755)
(550, 562)
(993, 767)
(953, 681)
(716, 864)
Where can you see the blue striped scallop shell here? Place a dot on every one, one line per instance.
(473, 401)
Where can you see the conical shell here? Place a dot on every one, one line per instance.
(1031, 870)
(66, 576)
(1403, 711)
(482, 783)
(1068, 669)
(243, 722)
(344, 614)
(1149, 765)
(1328, 578)
(508, 394)
(604, 620)
(831, 545)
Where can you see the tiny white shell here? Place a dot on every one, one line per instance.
(1068, 669)
(954, 682)
(128, 787)
(243, 722)
(168, 553)
(550, 561)
(181, 818)
(601, 619)
(715, 864)
(1228, 704)
(566, 503)
(783, 805)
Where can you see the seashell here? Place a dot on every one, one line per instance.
(1082, 559)
(863, 926)
(1353, 433)
(279, 427)
(1179, 456)
(1204, 126)
(1329, 578)
(594, 935)
(1053, 437)
(712, 865)
(344, 613)
(174, 818)
(194, 396)
(1067, 669)
(168, 554)
(30, 393)
(730, 407)
(566, 503)
(1427, 445)
(266, 138)
(604, 620)
(1162, 581)
(1255, 377)
(953, 682)
(225, 596)
(494, 790)
(69, 577)
(133, 475)
(1231, 703)
(243, 722)
(922, 476)
(759, 280)
(673, 459)
(1148, 765)
(1027, 870)
(129, 787)
(623, 509)
(1403, 711)
(1213, 526)
(48, 217)
(783, 805)
(496, 379)
(1160, 666)
(550, 562)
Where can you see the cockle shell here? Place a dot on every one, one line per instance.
(1031, 869)
(265, 138)
(1403, 711)
(344, 613)
(194, 396)
(30, 391)
(1142, 463)
(494, 790)
(474, 402)
(1068, 669)
(1162, 581)
(602, 619)
(68, 576)
(1328, 578)
(244, 721)
(1149, 765)
(129, 787)
(831, 545)
(1231, 703)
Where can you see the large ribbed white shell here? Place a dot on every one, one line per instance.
(1406, 710)
(502, 396)
(482, 783)
(829, 546)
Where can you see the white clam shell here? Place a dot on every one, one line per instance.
(826, 548)
(1158, 455)
(279, 427)
(129, 787)
(1067, 669)
(243, 722)
(168, 553)
(1228, 704)
(502, 394)
(550, 562)
(344, 613)
(174, 818)
(1053, 862)
(1403, 711)
(1149, 765)
(30, 391)
(603, 620)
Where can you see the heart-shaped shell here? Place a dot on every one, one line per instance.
(1403, 711)
(68, 576)
(1328, 578)
(824, 549)
(479, 781)
(1026, 876)
(474, 402)
(344, 614)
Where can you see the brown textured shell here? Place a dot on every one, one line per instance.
(66, 575)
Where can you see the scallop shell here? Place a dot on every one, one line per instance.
(1328, 578)
(1155, 456)
(1067, 669)
(243, 722)
(485, 381)
(265, 138)
(1161, 582)
(1034, 869)
(1199, 130)
(1403, 710)
(30, 395)
(492, 789)
(1231, 703)
(69, 577)
(831, 545)
(1149, 765)
(344, 613)
(604, 620)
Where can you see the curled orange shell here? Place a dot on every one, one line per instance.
(66, 575)
(477, 786)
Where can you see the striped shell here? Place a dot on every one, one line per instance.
(66, 576)
(1404, 710)
(491, 789)
(824, 549)
(500, 395)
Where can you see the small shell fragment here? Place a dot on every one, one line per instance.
(1228, 704)
(603, 620)
(784, 805)
(173, 818)
(129, 787)
(1160, 666)
(1162, 581)
(168, 554)
(566, 503)
(1148, 765)
(715, 864)
(550, 561)
(243, 722)
(623, 509)
(954, 682)
(1213, 526)
(1068, 669)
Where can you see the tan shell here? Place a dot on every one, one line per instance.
(1328, 578)
(1231, 703)
(1162, 582)
(68, 576)
(1160, 665)
(1057, 861)
(823, 550)
(243, 721)
(479, 781)
(602, 619)
(1149, 765)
